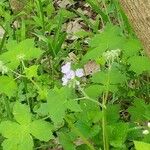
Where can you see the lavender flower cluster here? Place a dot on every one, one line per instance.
(70, 74)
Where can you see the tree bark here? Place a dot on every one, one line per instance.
(138, 13)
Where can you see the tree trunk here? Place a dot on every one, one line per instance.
(138, 12)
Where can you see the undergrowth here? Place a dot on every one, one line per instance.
(73, 76)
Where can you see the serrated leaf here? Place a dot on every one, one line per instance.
(41, 130)
(109, 77)
(9, 129)
(139, 145)
(21, 143)
(139, 110)
(19, 134)
(73, 106)
(25, 49)
(94, 91)
(118, 134)
(94, 54)
(66, 142)
(91, 111)
(87, 129)
(112, 113)
(56, 104)
(31, 71)
(8, 87)
(25, 143)
(10, 144)
(131, 47)
(109, 37)
(43, 109)
(22, 113)
(139, 64)
(58, 101)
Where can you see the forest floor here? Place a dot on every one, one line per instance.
(73, 76)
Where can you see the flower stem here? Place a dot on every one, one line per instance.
(89, 98)
(104, 117)
(104, 126)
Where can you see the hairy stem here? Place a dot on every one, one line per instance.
(89, 98)
(104, 117)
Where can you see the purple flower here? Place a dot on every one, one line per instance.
(79, 73)
(70, 74)
(66, 68)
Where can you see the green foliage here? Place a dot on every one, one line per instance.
(18, 134)
(139, 64)
(66, 142)
(141, 145)
(16, 52)
(31, 71)
(110, 77)
(131, 47)
(9, 86)
(139, 111)
(106, 109)
(56, 99)
(109, 39)
(118, 135)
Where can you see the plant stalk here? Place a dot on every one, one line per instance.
(104, 117)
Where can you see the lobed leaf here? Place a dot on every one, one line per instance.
(9, 86)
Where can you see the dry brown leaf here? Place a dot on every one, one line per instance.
(72, 57)
(64, 3)
(16, 24)
(91, 67)
(71, 28)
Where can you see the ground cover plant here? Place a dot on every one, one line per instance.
(73, 76)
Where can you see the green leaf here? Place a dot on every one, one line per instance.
(94, 91)
(19, 134)
(10, 129)
(141, 145)
(24, 49)
(94, 53)
(41, 130)
(118, 134)
(58, 101)
(25, 143)
(110, 77)
(139, 64)
(56, 105)
(66, 142)
(87, 129)
(31, 71)
(73, 106)
(9, 86)
(10, 144)
(22, 113)
(21, 143)
(112, 113)
(131, 47)
(139, 111)
(110, 37)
